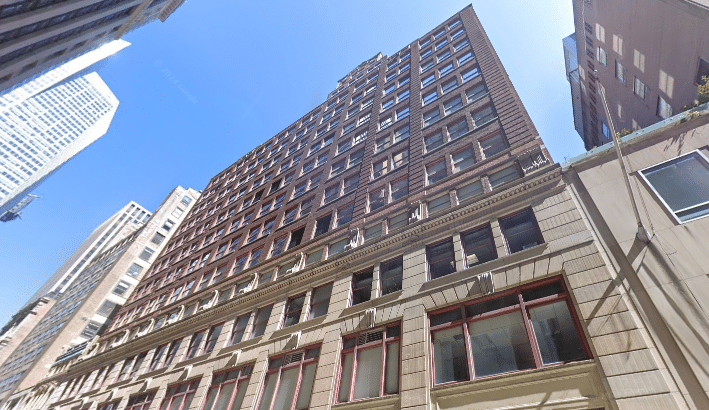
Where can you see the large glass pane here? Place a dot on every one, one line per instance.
(224, 397)
(306, 387)
(500, 345)
(239, 397)
(391, 378)
(286, 389)
(267, 396)
(346, 378)
(479, 247)
(449, 355)
(188, 401)
(556, 334)
(369, 373)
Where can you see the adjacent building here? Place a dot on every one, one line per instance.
(407, 244)
(36, 36)
(44, 130)
(113, 260)
(649, 56)
(667, 277)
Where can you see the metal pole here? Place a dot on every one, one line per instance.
(642, 233)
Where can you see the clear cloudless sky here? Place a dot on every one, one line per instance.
(221, 76)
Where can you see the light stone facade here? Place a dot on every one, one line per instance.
(623, 372)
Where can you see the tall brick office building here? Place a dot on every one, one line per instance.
(406, 244)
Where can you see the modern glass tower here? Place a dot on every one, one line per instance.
(43, 126)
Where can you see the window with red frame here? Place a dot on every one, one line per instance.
(141, 401)
(228, 389)
(289, 380)
(212, 338)
(112, 405)
(370, 364)
(179, 396)
(195, 344)
(294, 307)
(526, 328)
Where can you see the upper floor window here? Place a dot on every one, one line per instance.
(227, 387)
(370, 364)
(179, 397)
(682, 184)
(289, 380)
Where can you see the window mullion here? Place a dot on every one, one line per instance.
(468, 345)
(382, 376)
(530, 333)
(353, 380)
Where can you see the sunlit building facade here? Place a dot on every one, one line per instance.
(407, 244)
(89, 300)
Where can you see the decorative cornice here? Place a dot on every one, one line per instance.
(410, 236)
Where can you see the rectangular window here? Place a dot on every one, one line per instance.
(427, 66)
(240, 324)
(439, 204)
(399, 159)
(320, 300)
(602, 56)
(431, 117)
(401, 133)
(255, 255)
(261, 320)
(619, 71)
(355, 158)
(682, 184)
(387, 104)
(475, 92)
(289, 380)
(195, 344)
(227, 390)
(463, 159)
(435, 172)
(391, 273)
(398, 221)
(640, 88)
(479, 246)
(525, 328)
(493, 145)
(430, 97)
(461, 45)
(377, 199)
(121, 288)
(503, 176)
(465, 58)
(433, 141)
(344, 215)
(447, 68)
(470, 74)
(441, 259)
(294, 308)
(146, 254)
(383, 143)
(429, 79)
(350, 184)
(402, 95)
(399, 189)
(322, 225)
(278, 246)
(483, 116)
(336, 247)
(141, 401)
(449, 85)
(457, 129)
(664, 109)
(402, 113)
(362, 286)
(520, 231)
(370, 364)
(179, 397)
(212, 338)
(379, 168)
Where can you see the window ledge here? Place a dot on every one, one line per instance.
(371, 303)
(391, 401)
(544, 373)
(299, 326)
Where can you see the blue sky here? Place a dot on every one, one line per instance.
(219, 77)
